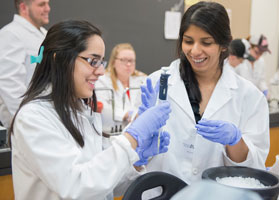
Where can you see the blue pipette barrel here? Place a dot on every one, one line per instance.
(163, 91)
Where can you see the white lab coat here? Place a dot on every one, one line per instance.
(228, 65)
(256, 74)
(18, 41)
(122, 106)
(274, 92)
(236, 69)
(48, 164)
(234, 100)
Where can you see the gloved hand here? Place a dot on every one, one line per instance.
(219, 131)
(152, 150)
(265, 92)
(148, 123)
(148, 95)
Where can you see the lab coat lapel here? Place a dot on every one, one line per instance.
(221, 94)
(177, 92)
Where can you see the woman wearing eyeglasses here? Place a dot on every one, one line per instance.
(57, 143)
(119, 88)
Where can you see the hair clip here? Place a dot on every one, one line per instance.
(37, 59)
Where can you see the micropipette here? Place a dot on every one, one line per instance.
(163, 92)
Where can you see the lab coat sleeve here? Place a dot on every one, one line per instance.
(127, 179)
(254, 127)
(12, 71)
(244, 70)
(59, 162)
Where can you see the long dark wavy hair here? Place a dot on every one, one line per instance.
(212, 18)
(63, 43)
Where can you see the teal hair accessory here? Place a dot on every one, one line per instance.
(37, 59)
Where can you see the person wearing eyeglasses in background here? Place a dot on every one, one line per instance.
(254, 69)
(19, 40)
(56, 139)
(122, 78)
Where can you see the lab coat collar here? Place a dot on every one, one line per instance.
(21, 20)
(221, 94)
(177, 91)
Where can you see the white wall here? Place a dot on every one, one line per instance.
(265, 20)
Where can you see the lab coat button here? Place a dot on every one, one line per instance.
(195, 171)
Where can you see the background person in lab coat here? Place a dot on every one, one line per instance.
(120, 75)
(57, 143)
(218, 118)
(254, 70)
(18, 41)
(238, 52)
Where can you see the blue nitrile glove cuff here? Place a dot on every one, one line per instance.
(145, 127)
(237, 137)
(265, 92)
(152, 150)
(135, 135)
(149, 122)
(142, 161)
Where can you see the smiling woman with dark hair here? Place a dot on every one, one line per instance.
(57, 142)
(219, 119)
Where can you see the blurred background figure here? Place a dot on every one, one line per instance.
(19, 40)
(238, 52)
(254, 70)
(274, 92)
(118, 91)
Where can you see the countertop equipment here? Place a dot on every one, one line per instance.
(266, 178)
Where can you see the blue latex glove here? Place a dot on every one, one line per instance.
(219, 131)
(152, 150)
(265, 92)
(148, 95)
(148, 123)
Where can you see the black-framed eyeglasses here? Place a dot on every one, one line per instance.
(94, 62)
(126, 60)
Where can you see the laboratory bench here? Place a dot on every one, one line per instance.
(6, 184)
(274, 138)
(6, 188)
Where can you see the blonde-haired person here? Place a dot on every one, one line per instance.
(118, 90)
